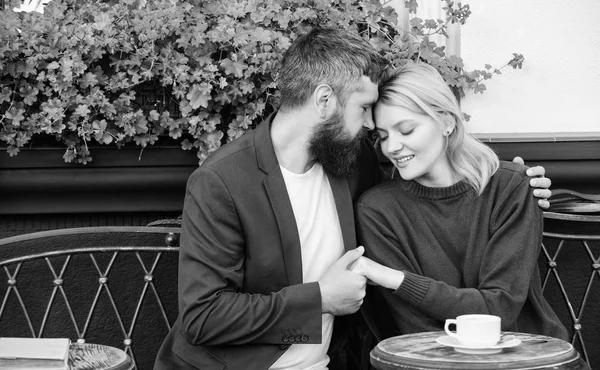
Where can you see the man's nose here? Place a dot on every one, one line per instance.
(369, 123)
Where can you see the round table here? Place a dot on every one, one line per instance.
(421, 351)
(89, 356)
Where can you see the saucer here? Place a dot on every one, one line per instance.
(506, 341)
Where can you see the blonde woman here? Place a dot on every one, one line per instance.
(458, 231)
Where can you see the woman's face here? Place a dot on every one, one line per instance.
(415, 144)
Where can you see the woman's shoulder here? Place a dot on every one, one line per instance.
(382, 193)
(510, 173)
(509, 181)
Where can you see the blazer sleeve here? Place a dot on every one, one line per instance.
(212, 306)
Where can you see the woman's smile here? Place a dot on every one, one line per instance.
(403, 160)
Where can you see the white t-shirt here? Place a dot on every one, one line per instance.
(321, 244)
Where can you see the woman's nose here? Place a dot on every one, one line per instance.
(392, 146)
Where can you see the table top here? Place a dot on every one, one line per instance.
(422, 351)
(88, 356)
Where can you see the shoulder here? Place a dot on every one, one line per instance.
(231, 152)
(510, 176)
(227, 163)
(382, 194)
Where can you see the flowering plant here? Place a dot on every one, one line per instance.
(200, 72)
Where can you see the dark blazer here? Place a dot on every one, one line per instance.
(241, 298)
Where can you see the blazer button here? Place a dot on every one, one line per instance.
(284, 346)
(298, 338)
(285, 339)
(304, 338)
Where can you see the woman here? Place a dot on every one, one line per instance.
(459, 232)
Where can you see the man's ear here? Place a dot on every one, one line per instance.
(324, 100)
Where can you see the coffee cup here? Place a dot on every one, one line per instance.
(477, 331)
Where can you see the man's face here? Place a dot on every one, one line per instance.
(358, 112)
(334, 146)
(336, 143)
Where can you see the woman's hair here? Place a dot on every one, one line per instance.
(326, 56)
(421, 89)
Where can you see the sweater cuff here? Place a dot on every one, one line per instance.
(413, 288)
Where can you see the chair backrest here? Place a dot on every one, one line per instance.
(107, 285)
(571, 260)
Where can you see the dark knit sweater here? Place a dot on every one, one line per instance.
(461, 253)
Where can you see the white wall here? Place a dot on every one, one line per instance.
(558, 89)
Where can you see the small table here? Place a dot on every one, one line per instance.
(421, 351)
(88, 356)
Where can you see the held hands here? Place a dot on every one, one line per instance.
(342, 291)
(538, 181)
(377, 273)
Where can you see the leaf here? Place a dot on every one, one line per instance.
(5, 95)
(88, 80)
(186, 145)
(100, 133)
(234, 68)
(82, 110)
(199, 95)
(12, 150)
(154, 115)
(261, 35)
(16, 115)
(29, 94)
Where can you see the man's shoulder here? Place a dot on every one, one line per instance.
(237, 151)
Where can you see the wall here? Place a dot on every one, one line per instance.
(558, 88)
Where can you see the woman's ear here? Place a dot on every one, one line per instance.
(324, 100)
(449, 123)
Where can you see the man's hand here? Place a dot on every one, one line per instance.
(538, 181)
(342, 291)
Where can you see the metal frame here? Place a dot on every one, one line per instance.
(13, 266)
(571, 208)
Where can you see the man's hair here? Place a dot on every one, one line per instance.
(420, 88)
(326, 56)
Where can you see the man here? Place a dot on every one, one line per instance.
(268, 224)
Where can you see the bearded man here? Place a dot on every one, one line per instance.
(268, 223)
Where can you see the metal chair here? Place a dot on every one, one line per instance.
(571, 242)
(106, 285)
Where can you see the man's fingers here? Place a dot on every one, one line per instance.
(543, 203)
(518, 160)
(542, 193)
(352, 255)
(536, 171)
(540, 182)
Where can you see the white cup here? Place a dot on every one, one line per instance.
(477, 331)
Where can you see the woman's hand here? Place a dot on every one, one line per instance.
(377, 274)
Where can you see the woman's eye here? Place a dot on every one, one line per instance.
(407, 132)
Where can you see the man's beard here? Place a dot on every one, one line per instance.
(334, 147)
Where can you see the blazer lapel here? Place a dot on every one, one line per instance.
(280, 202)
(345, 209)
(288, 229)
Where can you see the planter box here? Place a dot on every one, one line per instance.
(37, 181)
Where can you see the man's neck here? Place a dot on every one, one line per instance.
(290, 133)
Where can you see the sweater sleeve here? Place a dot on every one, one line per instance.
(509, 260)
(378, 234)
